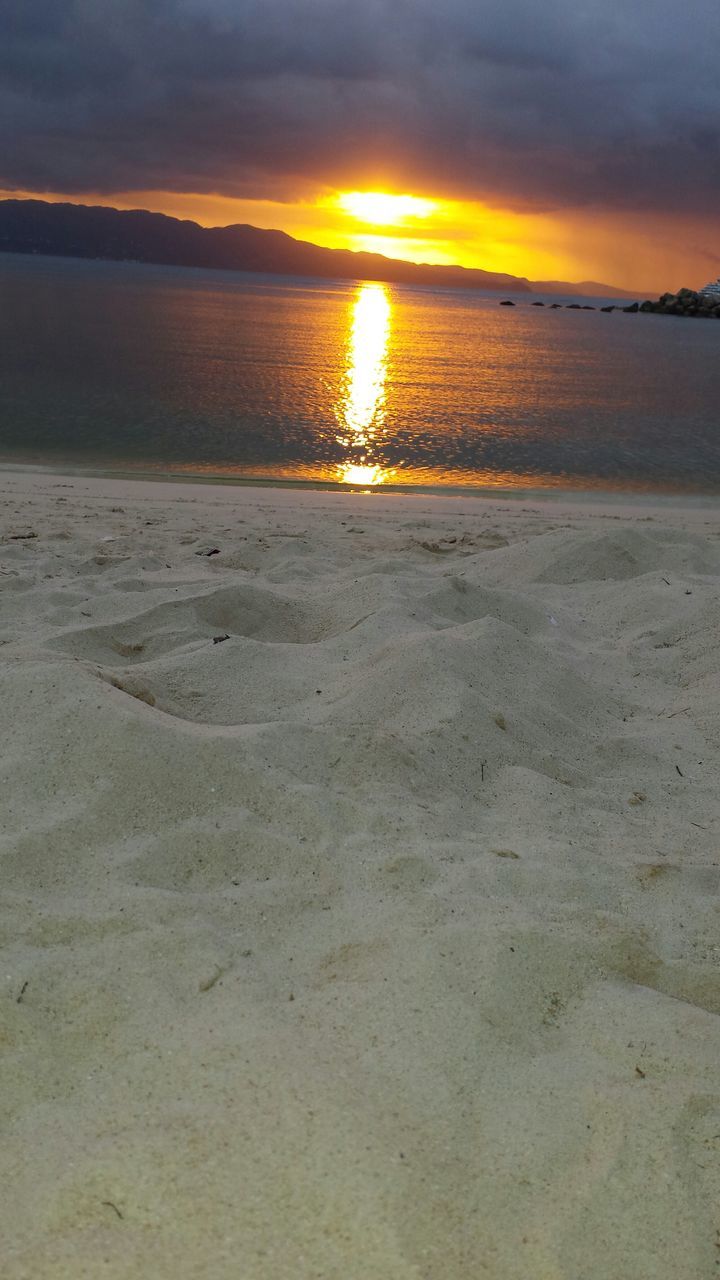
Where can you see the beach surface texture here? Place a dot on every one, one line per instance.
(360, 880)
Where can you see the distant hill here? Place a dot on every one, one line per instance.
(82, 231)
(589, 289)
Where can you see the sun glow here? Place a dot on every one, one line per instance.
(361, 408)
(367, 476)
(382, 210)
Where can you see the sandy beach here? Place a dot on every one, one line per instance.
(360, 883)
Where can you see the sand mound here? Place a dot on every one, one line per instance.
(616, 556)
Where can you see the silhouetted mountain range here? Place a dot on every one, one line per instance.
(585, 288)
(81, 231)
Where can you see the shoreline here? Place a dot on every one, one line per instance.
(625, 504)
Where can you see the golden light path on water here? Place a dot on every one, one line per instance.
(361, 408)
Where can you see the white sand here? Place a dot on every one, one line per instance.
(379, 941)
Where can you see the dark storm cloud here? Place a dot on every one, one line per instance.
(609, 102)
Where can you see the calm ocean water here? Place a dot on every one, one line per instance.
(123, 366)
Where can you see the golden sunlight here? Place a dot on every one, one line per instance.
(360, 411)
(367, 476)
(381, 210)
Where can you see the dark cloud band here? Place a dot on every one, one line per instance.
(572, 102)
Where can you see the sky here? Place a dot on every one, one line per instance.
(570, 139)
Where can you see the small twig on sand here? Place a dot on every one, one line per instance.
(109, 1204)
(207, 984)
(23, 989)
(677, 766)
(483, 766)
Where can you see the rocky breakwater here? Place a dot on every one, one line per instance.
(686, 302)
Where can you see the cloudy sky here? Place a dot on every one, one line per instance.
(578, 138)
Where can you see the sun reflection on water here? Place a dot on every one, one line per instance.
(361, 408)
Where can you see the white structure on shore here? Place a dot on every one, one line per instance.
(711, 290)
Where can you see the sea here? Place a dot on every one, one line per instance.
(136, 369)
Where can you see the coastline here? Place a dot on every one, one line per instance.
(360, 882)
(626, 504)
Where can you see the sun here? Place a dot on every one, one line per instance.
(382, 210)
